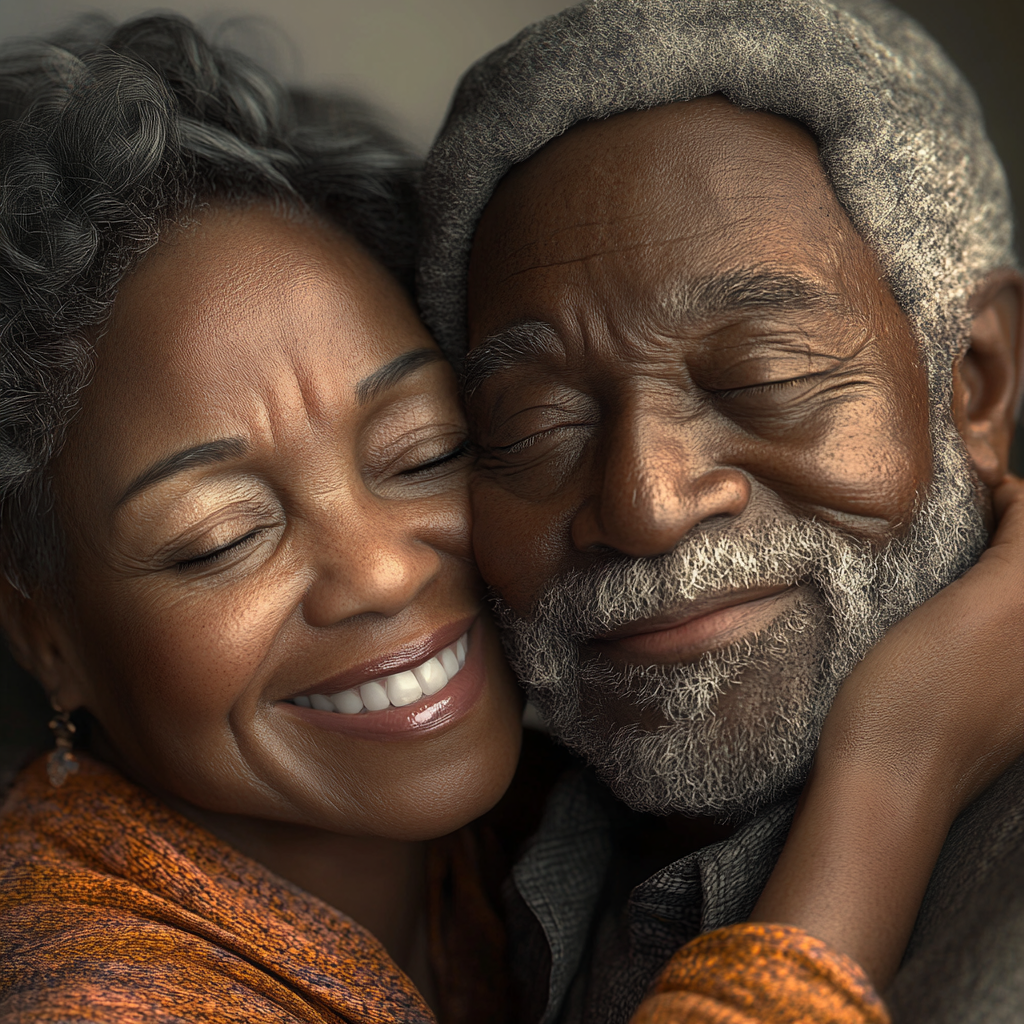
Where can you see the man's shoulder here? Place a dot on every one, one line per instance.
(965, 961)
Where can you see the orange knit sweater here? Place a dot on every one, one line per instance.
(116, 909)
(761, 974)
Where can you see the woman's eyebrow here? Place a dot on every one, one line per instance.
(205, 454)
(391, 373)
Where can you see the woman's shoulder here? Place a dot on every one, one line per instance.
(86, 953)
(115, 908)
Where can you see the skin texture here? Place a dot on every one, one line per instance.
(929, 719)
(631, 423)
(349, 524)
(647, 423)
(620, 425)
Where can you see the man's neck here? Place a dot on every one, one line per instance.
(650, 843)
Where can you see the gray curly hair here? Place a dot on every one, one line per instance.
(900, 134)
(107, 134)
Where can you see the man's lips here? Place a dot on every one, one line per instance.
(685, 635)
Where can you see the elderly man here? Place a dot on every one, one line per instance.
(743, 324)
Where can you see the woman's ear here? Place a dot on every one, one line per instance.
(987, 380)
(41, 643)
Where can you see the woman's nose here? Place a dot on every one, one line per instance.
(366, 564)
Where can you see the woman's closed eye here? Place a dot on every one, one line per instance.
(406, 453)
(218, 553)
(213, 527)
(452, 455)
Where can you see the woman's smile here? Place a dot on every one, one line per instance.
(273, 570)
(416, 700)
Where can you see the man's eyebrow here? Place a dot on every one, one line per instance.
(206, 454)
(749, 289)
(746, 289)
(505, 348)
(391, 373)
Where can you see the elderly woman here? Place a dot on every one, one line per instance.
(235, 536)
(234, 524)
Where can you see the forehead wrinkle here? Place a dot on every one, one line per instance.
(615, 218)
(646, 243)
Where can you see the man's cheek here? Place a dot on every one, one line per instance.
(868, 463)
(519, 546)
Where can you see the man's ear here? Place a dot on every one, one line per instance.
(987, 380)
(41, 643)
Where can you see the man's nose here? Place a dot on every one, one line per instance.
(654, 484)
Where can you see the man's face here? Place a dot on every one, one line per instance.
(705, 434)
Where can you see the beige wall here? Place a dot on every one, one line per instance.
(405, 55)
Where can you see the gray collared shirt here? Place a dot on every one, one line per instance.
(600, 947)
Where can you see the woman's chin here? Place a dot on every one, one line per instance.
(414, 783)
(412, 775)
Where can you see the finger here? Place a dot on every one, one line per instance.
(1009, 494)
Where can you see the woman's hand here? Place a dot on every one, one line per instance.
(939, 703)
(931, 717)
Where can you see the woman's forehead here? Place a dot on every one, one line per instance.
(241, 287)
(232, 327)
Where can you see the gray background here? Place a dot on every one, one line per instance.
(406, 56)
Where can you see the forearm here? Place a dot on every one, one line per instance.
(921, 726)
(856, 865)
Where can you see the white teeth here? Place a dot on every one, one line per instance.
(375, 697)
(449, 662)
(403, 689)
(348, 702)
(398, 689)
(431, 676)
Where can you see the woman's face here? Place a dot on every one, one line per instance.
(265, 493)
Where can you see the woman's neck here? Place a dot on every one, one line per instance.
(380, 883)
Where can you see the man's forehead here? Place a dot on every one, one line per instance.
(694, 205)
(675, 158)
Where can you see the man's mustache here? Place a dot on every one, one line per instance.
(754, 554)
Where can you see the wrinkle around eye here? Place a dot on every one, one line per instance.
(544, 464)
(416, 452)
(780, 353)
(222, 552)
(788, 379)
(518, 412)
(772, 411)
(192, 528)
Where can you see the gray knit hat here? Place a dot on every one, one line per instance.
(900, 133)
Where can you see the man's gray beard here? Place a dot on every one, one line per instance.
(778, 684)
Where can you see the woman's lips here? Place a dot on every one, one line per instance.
(453, 675)
(409, 656)
(684, 636)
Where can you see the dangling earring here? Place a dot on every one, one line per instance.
(61, 763)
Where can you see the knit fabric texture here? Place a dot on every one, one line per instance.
(757, 973)
(900, 134)
(113, 907)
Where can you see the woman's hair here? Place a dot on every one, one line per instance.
(108, 134)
